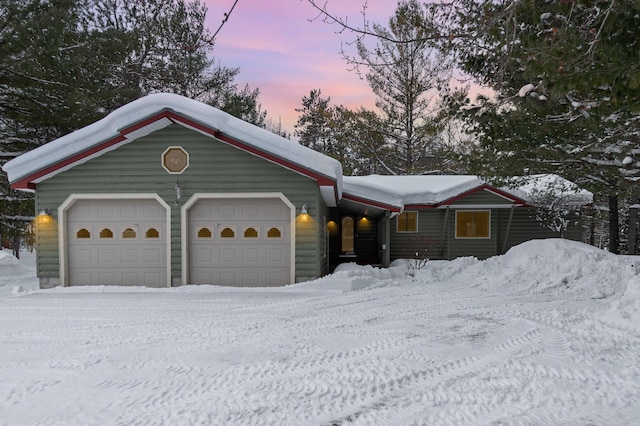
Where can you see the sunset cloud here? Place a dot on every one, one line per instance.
(282, 53)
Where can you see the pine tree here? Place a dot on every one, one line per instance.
(406, 72)
(313, 125)
(67, 63)
(567, 75)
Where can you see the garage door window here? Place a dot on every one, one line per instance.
(106, 233)
(228, 232)
(83, 233)
(275, 232)
(129, 234)
(204, 233)
(152, 233)
(250, 232)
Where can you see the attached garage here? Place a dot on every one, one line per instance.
(244, 240)
(116, 241)
(167, 191)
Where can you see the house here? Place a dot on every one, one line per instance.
(168, 191)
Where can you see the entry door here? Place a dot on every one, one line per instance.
(348, 235)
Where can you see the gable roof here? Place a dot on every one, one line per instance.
(395, 193)
(542, 189)
(154, 112)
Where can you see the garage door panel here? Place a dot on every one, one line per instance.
(104, 211)
(227, 255)
(107, 278)
(128, 256)
(153, 257)
(250, 210)
(227, 210)
(228, 277)
(250, 255)
(275, 254)
(274, 277)
(105, 256)
(127, 246)
(259, 225)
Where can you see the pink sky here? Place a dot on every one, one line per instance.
(284, 55)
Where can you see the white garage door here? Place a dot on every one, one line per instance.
(240, 242)
(117, 242)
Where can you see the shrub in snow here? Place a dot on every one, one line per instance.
(417, 263)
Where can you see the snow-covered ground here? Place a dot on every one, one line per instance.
(546, 334)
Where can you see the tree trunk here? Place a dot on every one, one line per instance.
(614, 225)
(16, 246)
(633, 223)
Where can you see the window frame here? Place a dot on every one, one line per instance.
(488, 237)
(398, 231)
(110, 228)
(134, 228)
(87, 228)
(255, 228)
(157, 229)
(198, 228)
(221, 229)
(278, 227)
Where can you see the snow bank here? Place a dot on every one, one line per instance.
(15, 275)
(626, 311)
(548, 266)
(350, 277)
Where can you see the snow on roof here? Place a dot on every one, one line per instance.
(539, 188)
(399, 191)
(125, 122)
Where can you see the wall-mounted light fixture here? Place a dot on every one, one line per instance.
(44, 217)
(304, 213)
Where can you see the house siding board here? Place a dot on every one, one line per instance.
(405, 245)
(525, 227)
(47, 244)
(214, 168)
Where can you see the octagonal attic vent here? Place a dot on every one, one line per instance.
(175, 159)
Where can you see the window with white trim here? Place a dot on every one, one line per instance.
(473, 224)
(407, 222)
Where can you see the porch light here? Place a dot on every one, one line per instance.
(44, 217)
(304, 213)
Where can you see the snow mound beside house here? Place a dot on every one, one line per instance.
(350, 277)
(546, 266)
(15, 276)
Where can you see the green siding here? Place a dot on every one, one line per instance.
(439, 239)
(404, 245)
(525, 227)
(215, 167)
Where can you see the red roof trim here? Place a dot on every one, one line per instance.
(27, 182)
(371, 203)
